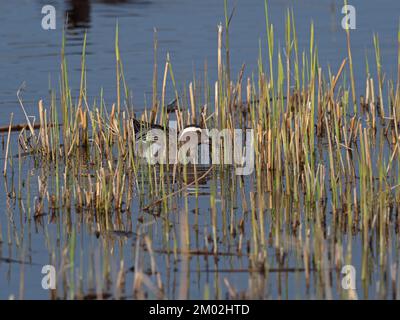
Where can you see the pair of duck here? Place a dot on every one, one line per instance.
(146, 138)
(142, 128)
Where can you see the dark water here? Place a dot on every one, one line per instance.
(187, 30)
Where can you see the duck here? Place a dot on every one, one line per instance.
(147, 140)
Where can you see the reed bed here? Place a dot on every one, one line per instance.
(325, 183)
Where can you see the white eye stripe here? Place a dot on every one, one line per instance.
(189, 130)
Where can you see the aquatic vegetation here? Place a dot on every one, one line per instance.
(325, 183)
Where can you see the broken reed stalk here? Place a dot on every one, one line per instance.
(379, 74)
(154, 107)
(8, 146)
(353, 90)
(117, 66)
(22, 126)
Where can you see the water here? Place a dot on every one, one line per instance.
(187, 31)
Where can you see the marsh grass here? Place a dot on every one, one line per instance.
(325, 180)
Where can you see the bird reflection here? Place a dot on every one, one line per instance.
(78, 11)
(78, 14)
